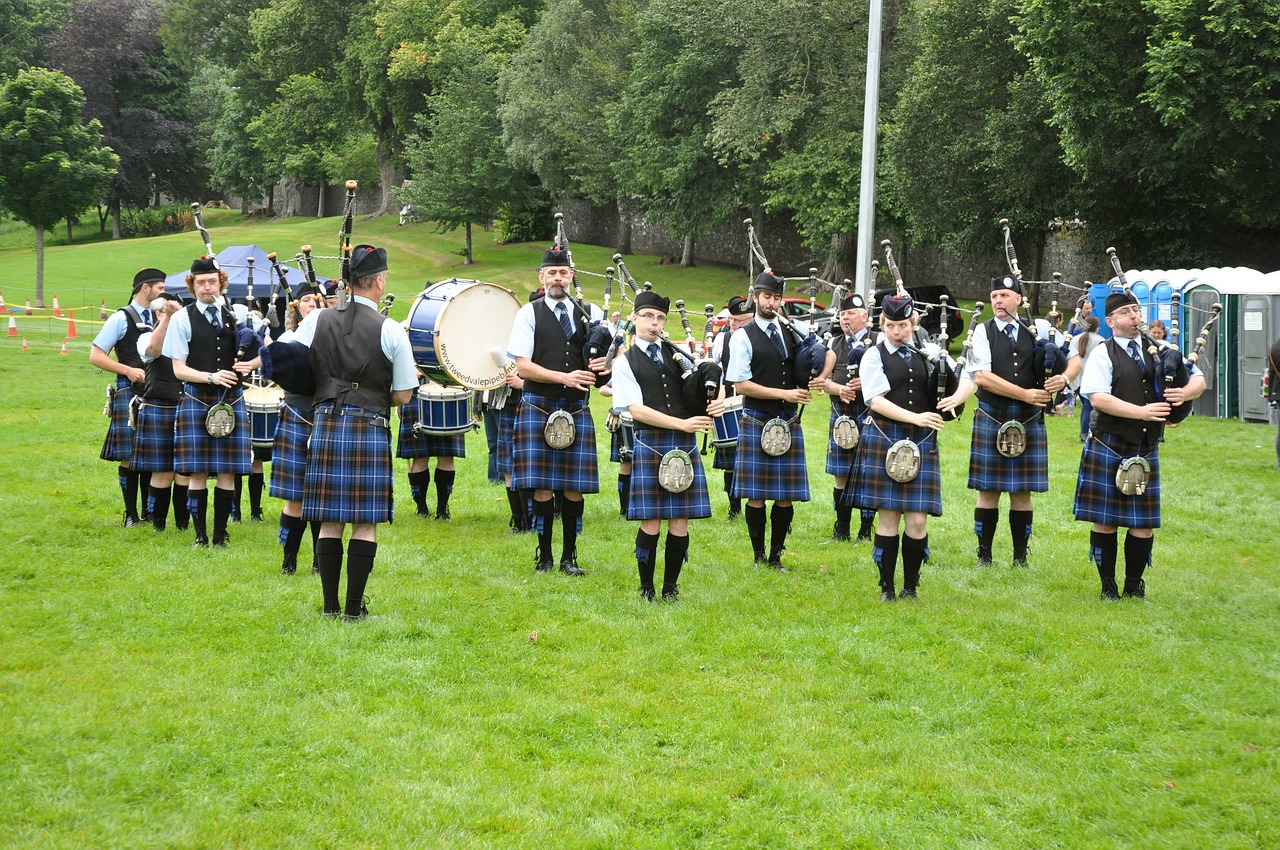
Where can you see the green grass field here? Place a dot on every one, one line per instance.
(156, 696)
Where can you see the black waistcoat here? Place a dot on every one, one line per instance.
(660, 386)
(1128, 384)
(347, 359)
(1012, 362)
(769, 369)
(552, 351)
(729, 391)
(909, 384)
(841, 344)
(161, 386)
(211, 350)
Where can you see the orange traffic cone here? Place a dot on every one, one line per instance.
(28, 306)
(24, 343)
(102, 312)
(64, 348)
(1, 301)
(13, 326)
(71, 324)
(57, 311)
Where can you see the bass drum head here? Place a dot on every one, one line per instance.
(455, 325)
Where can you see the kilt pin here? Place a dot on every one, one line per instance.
(990, 471)
(153, 438)
(757, 475)
(348, 479)
(289, 454)
(118, 444)
(411, 444)
(195, 450)
(1099, 500)
(540, 467)
(648, 499)
(873, 489)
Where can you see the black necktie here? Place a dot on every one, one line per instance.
(1011, 332)
(1136, 353)
(906, 354)
(655, 353)
(563, 315)
(212, 312)
(146, 317)
(777, 341)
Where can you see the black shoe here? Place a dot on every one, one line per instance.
(235, 517)
(1020, 563)
(221, 540)
(647, 594)
(887, 596)
(758, 560)
(422, 509)
(289, 565)
(202, 541)
(158, 525)
(183, 525)
(569, 566)
(670, 594)
(839, 536)
(1138, 591)
(131, 520)
(775, 563)
(733, 515)
(315, 565)
(144, 515)
(544, 565)
(984, 558)
(444, 515)
(907, 593)
(1109, 591)
(256, 516)
(363, 615)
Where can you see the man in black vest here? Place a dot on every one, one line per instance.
(1119, 379)
(156, 413)
(202, 345)
(845, 388)
(762, 369)
(547, 342)
(740, 312)
(120, 333)
(1010, 396)
(362, 363)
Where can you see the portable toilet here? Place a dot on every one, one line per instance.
(1259, 318)
(1221, 360)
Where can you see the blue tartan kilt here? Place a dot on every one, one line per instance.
(990, 471)
(507, 438)
(873, 489)
(349, 467)
(540, 467)
(153, 438)
(194, 450)
(411, 445)
(289, 454)
(839, 461)
(648, 500)
(118, 445)
(756, 475)
(1099, 500)
(726, 457)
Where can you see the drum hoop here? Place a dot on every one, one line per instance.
(220, 421)
(775, 446)
(1002, 432)
(684, 481)
(1141, 479)
(894, 469)
(554, 432)
(447, 303)
(844, 431)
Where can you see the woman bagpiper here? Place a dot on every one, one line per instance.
(897, 462)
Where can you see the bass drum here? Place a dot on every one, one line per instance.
(455, 326)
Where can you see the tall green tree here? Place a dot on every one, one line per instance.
(24, 24)
(299, 130)
(236, 165)
(52, 164)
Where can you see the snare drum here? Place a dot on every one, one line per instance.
(626, 436)
(727, 424)
(263, 406)
(444, 410)
(454, 327)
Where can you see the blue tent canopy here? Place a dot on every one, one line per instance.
(234, 260)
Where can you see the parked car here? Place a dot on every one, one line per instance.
(929, 297)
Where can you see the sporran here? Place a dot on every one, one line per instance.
(612, 421)
(220, 421)
(775, 437)
(559, 431)
(1133, 476)
(902, 461)
(675, 471)
(1011, 439)
(845, 432)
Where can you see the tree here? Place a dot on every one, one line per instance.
(23, 26)
(52, 165)
(236, 165)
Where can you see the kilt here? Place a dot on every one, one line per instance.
(726, 458)
(990, 471)
(289, 454)
(349, 467)
(756, 475)
(153, 438)
(412, 445)
(648, 500)
(540, 467)
(507, 439)
(194, 450)
(839, 461)
(118, 445)
(873, 489)
(1099, 500)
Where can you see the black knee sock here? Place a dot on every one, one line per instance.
(735, 503)
(544, 526)
(144, 489)
(418, 484)
(181, 516)
(329, 559)
(779, 526)
(198, 507)
(1103, 547)
(755, 529)
(914, 553)
(222, 502)
(844, 510)
(867, 525)
(360, 555)
(129, 491)
(514, 502)
(1020, 531)
(255, 493)
(884, 554)
(624, 492)
(315, 538)
(677, 553)
(291, 528)
(444, 489)
(235, 499)
(158, 502)
(1137, 556)
(646, 559)
(985, 521)
(571, 523)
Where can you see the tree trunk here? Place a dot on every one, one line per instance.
(103, 212)
(68, 230)
(117, 231)
(686, 256)
(271, 201)
(387, 171)
(39, 266)
(623, 236)
(466, 251)
(320, 205)
(841, 259)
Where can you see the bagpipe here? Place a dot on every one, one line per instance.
(942, 378)
(249, 342)
(1048, 359)
(1172, 370)
(808, 351)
